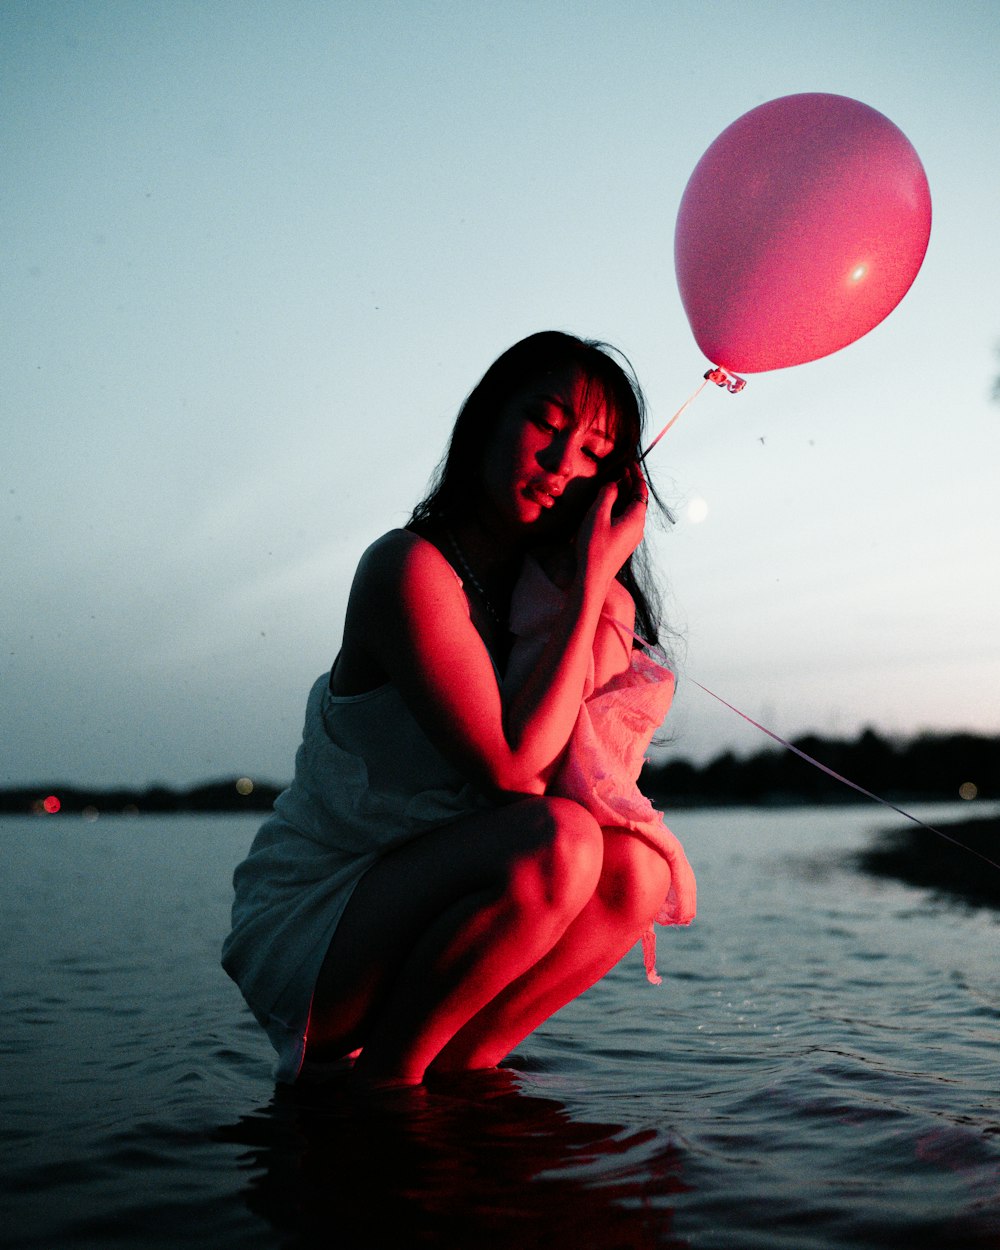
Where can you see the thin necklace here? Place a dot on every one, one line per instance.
(466, 569)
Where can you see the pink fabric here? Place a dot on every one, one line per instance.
(601, 763)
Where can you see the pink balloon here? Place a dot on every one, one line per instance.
(801, 228)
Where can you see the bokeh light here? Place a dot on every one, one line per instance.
(968, 790)
(697, 510)
(244, 786)
(51, 804)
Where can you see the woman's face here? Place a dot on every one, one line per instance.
(544, 461)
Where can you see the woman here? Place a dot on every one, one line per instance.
(463, 849)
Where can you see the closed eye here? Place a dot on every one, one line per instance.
(539, 418)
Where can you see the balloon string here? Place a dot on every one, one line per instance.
(690, 400)
(845, 780)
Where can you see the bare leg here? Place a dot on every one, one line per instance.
(436, 929)
(634, 882)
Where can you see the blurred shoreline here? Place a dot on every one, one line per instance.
(229, 796)
(921, 858)
(930, 768)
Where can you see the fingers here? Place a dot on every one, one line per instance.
(617, 517)
(640, 487)
(607, 496)
(632, 490)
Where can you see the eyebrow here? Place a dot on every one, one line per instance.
(570, 412)
(554, 401)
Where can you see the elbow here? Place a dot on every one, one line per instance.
(510, 793)
(514, 783)
(511, 778)
(524, 765)
(509, 764)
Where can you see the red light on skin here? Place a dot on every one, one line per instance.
(51, 804)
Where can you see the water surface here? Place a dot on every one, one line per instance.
(818, 1069)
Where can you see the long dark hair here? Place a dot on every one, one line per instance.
(455, 487)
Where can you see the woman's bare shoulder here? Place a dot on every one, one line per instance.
(398, 577)
(401, 561)
(399, 549)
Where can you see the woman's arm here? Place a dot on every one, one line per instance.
(408, 612)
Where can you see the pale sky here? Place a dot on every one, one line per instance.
(256, 254)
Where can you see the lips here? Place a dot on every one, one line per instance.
(542, 494)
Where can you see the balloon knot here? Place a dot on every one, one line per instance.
(722, 377)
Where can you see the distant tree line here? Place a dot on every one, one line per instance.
(231, 795)
(930, 767)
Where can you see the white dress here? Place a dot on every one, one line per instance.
(367, 779)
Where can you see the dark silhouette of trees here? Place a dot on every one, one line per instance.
(223, 796)
(929, 767)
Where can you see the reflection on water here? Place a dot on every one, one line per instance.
(470, 1161)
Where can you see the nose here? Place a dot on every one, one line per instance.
(554, 457)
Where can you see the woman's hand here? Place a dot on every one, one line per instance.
(613, 526)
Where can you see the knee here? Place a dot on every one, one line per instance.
(560, 868)
(634, 881)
